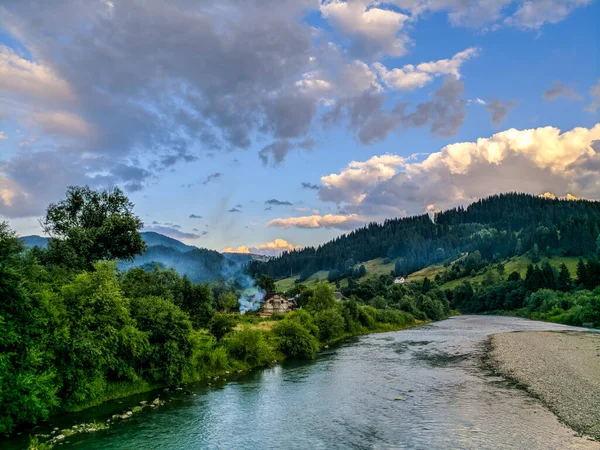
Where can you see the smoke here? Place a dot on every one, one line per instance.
(252, 295)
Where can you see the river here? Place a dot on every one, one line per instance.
(346, 399)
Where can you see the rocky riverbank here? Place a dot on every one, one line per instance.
(560, 368)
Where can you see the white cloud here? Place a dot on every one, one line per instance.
(377, 29)
(316, 221)
(3, 136)
(273, 248)
(535, 160)
(354, 180)
(534, 14)
(410, 77)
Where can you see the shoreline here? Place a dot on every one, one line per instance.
(138, 390)
(560, 368)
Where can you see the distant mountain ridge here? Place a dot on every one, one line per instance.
(200, 264)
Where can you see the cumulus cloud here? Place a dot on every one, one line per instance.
(499, 109)
(273, 248)
(410, 77)
(3, 136)
(172, 232)
(317, 221)
(560, 89)
(372, 29)
(535, 160)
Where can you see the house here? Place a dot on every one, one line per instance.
(275, 304)
(400, 280)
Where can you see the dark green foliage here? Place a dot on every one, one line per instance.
(250, 347)
(427, 286)
(89, 226)
(295, 341)
(227, 302)
(266, 283)
(221, 324)
(168, 331)
(197, 301)
(497, 227)
(564, 281)
(330, 323)
(322, 297)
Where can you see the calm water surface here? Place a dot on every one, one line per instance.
(346, 400)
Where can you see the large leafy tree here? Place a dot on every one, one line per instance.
(89, 225)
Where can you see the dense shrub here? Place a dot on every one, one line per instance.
(221, 324)
(249, 346)
(330, 323)
(295, 341)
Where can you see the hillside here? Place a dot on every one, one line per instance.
(197, 263)
(499, 227)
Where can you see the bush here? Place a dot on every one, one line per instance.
(434, 309)
(305, 319)
(331, 324)
(295, 341)
(250, 347)
(208, 357)
(221, 324)
(169, 335)
(366, 317)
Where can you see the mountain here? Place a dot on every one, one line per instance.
(499, 227)
(199, 264)
(151, 239)
(35, 241)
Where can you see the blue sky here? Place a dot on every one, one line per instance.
(202, 108)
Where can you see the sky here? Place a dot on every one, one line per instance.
(267, 125)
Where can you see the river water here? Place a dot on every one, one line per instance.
(346, 399)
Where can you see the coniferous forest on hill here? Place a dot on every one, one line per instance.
(498, 227)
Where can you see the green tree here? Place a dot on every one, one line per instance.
(598, 245)
(227, 302)
(295, 341)
(104, 343)
(427, 286)
(266, 283)
(564, 282)
(362, 270)
(168, 331)
(322, 297)
(197, 301)
(221, 324)
(90, 225)
(582, 273)
(330, 323)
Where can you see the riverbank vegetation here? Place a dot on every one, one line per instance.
(76, 331)
(513, 253)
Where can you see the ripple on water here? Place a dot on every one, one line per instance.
(346, 399)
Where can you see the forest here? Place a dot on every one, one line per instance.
(75, 330)
(498, 227)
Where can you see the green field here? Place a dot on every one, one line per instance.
(377, 267)
(515, 264)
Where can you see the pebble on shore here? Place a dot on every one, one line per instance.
(560, 368)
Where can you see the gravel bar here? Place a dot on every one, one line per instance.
(560, 368)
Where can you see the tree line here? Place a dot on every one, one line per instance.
(498, 227)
